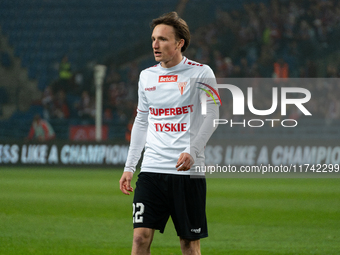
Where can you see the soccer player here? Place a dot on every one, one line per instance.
(172, 129)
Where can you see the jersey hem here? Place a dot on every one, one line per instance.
(188, 172)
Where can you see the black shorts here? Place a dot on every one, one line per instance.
(158, 196)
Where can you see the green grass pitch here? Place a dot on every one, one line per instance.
(73, 211)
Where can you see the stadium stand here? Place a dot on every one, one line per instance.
(236, 38)
(43, 31)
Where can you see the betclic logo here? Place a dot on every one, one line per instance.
(167, 78)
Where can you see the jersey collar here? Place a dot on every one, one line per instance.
(178, 66)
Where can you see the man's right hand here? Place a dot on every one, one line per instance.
(125, 183)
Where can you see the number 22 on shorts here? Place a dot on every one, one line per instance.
(137, 212)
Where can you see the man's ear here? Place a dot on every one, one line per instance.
(180, 43)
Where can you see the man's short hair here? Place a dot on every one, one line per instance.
(180, 26)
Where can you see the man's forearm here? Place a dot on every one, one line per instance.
(206, 130)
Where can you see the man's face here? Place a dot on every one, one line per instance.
(164, 44)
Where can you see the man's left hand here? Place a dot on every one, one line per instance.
(185, 162)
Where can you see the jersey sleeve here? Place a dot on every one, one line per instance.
(138, 139)
(143, 106)
(205, 131)
(139, 131)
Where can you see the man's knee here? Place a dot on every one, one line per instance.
(190, 246)
(185, 243)
(142, 237)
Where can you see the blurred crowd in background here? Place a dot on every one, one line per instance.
(287, 39)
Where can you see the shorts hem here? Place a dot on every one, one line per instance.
(161, 230)
(194, 237)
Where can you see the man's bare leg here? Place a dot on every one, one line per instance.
(190, 247)
(142, 239)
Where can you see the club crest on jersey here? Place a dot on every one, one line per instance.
(167, 78)
(181, 86)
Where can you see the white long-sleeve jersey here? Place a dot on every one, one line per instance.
(169, 118)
